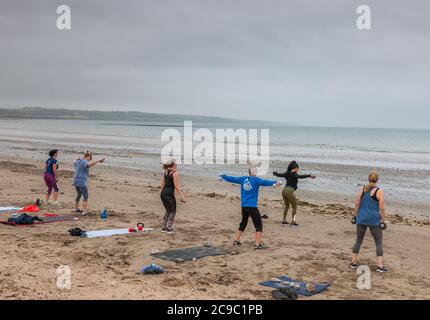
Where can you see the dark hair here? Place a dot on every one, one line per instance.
(293, 165)
(53, 152)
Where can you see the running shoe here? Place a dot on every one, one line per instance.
(353, 265)
(294, 224)
(163, 230)
(84, 213)
(237, 243)
(261, 246)
(77, 210)
(285, 222)
(382, 269)
(170, 231)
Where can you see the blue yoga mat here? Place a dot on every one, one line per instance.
(281, 282)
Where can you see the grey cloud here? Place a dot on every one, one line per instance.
(302, 61)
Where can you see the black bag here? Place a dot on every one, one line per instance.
(77, 232)
(284, 294)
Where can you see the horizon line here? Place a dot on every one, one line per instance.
(273, 122)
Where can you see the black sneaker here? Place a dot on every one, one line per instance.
(382, 269)
(163, 230)
(353, 265)
(77, 210)
(237, 243)
(294, 224)
(285, 222)
(261, 246)
(170, 231)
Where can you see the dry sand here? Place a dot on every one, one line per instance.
(108, 268)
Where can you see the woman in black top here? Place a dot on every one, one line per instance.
(169, 184)
(289, 193)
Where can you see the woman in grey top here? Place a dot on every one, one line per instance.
(80, 180)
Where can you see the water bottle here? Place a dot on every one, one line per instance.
(104, 215)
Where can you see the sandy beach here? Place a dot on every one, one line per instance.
(108, 268)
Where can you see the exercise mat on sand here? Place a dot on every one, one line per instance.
(192, 253)
(112, 232)
(9, 209)
(45, 219)
(300, 287)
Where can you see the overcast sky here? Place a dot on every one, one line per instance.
(296, 61)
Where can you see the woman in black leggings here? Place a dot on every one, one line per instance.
(169, 184)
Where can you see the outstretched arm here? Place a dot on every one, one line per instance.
(94, 162)
(280, 175)
(268, 183)
(304, 176)
(237, 180)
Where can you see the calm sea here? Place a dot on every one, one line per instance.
(341, 157)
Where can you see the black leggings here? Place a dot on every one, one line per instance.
(377, 236)
(255, 216)
(169, 202)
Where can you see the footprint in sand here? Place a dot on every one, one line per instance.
(173, 282)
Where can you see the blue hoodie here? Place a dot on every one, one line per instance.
(249, 188)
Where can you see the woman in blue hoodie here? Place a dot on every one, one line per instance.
(249, 202)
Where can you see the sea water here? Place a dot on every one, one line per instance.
(340, 157)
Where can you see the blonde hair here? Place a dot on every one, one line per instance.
(373, 179)
(88, 154)
(169, 164)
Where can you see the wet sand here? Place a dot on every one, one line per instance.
(108, 268)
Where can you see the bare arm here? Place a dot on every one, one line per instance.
(163, 183)
(380, 196)
(93, 163)
(54, 169)
(178, 186)
(358, 200)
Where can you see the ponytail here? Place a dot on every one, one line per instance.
(373, 179)
(293, 165)
(88, 154)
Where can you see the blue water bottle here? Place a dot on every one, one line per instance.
(104, 214)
